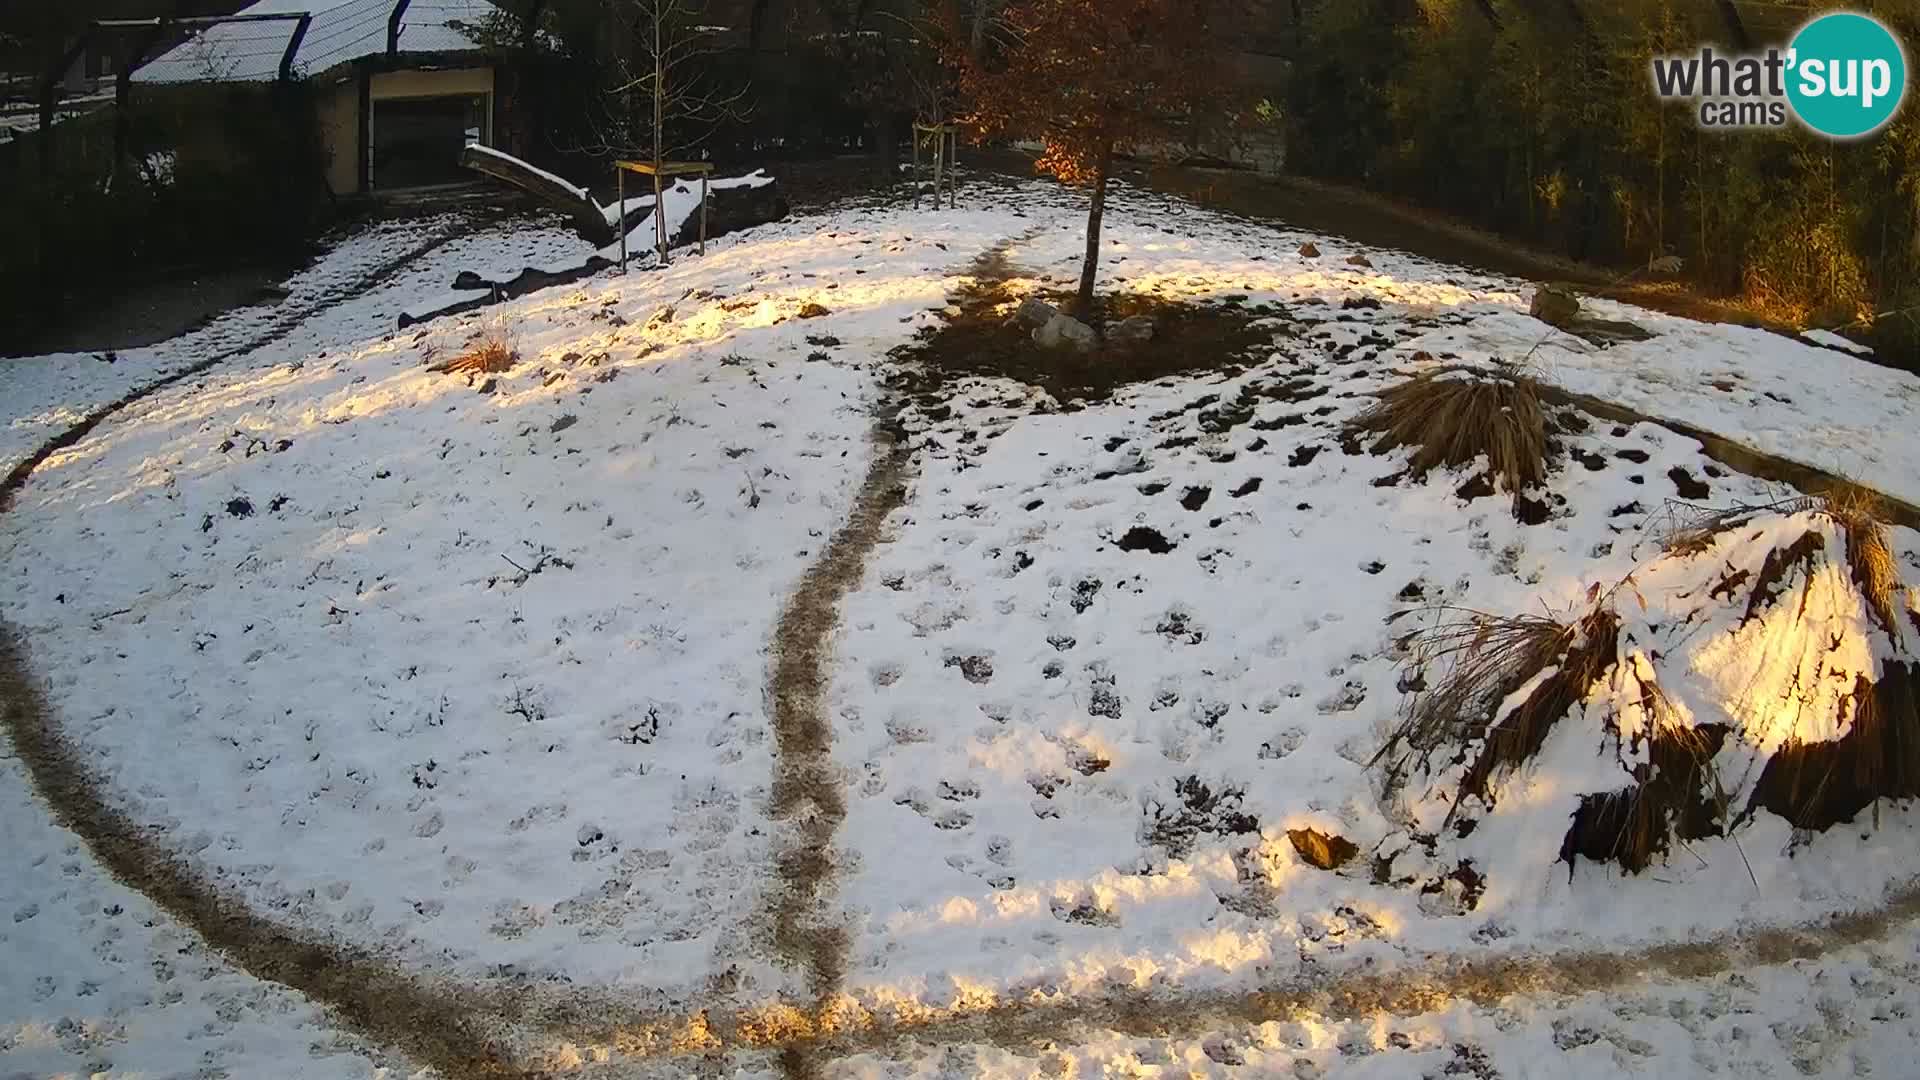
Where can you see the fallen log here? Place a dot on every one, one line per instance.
(569, 199)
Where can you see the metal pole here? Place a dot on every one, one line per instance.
(703, 213)
(620, 194)
(659, 221)
(939, 150)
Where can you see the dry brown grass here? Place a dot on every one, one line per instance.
(1486, 659)
(1452, 419)
(1862, 515)
(1691, 529)
(1676, 792)
(492, 353)
(1819, 785)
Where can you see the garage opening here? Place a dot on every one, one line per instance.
(417, 141)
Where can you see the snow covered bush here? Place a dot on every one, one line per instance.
(1764, 661)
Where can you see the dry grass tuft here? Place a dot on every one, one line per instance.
(1819, 785)
(1862, 514)
(1488, 659)
(1668, 798)
(492, 354)
(1452, 419)
(1692, 529)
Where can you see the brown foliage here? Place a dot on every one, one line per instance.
(1637, 823)
(1086, 75)
(1486, 660)
(492, 354)
(1320, 850)
(1091, 77)
(1819, 785)
(1861, 515)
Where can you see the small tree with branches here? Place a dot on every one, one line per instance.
(1089, 78)
(665, 102)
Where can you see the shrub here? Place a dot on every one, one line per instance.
(1452, 419)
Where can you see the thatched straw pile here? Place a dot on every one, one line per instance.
(1761, 663)
(1454, 419)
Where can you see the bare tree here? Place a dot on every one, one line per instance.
(1092, 78)
(665, 101)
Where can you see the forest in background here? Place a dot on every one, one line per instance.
(1538, 121)
(1535, 120)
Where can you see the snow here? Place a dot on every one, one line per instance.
(1763, 390)
(491, 778)
(18, 121)
(1834, 341)
(342, 30)
(98, 982)
(682, 200)
(1020, 813)
(329, 305)
(577, 190)
(617, 210)
(470, 671)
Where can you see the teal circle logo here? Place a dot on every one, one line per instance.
(1847, 75)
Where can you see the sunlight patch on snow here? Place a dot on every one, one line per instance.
(1206, 281)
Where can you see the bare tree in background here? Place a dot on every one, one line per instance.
(664, 103)
(1092, 78)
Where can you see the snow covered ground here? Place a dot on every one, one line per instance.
(98, 983)
(1081, 752)
(470, 670)
(353, 293)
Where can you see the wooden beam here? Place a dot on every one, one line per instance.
(393, 25)
(194, 21)
(666, 168)
(587, 217)
(123, 88)
(293, 47)
(363, 77)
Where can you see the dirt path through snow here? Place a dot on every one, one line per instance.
(480, 1031)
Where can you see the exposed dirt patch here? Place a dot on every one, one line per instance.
(1142, 538)
(807, 792)
(985, 339)
(1689, 487)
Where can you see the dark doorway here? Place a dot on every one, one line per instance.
(417, 141)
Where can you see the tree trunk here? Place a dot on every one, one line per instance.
(659, 141)
(1090, 269)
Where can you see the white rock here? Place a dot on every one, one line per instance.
(1066, 332)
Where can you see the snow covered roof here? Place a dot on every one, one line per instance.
(342, 30)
